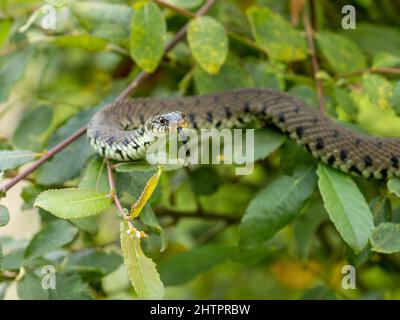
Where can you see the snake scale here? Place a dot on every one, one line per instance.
(123, 130)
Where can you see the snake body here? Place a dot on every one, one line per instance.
(118, 130)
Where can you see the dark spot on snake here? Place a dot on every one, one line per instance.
(216, 98)
(103, 151)
(129, 157)
(299, 131)
(209, 116)
(146, 143)
(378, 144)
(367, 161)
(354, 168)
(331, 160)
(384, 173)
(308, 147)
(142, 119)
(281, 117)
(240, 120)
(247, 107)
(228, 112)
(125, 142)
(218, 124)
(315, 121)
(395, 162)
(192, 119)
(319, 143)
(343, 154)
(357, 142)
(335, 134)
(110, 140)
(296, 109)
(120, 153)
(264, 109)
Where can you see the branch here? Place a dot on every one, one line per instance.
(384, 70)
(129, 90)
(230, 219)
(314, 60)
(182, 11)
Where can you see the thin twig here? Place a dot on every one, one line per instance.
(384, 70)
(314, 60)
(128, 91)
(179, 10)
(206, 215)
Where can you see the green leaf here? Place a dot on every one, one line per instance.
(95, 177)
(266, 141)
(385, 238)
(373, 38)
(148, 33)
(305, 226)
(345, 101)
(276, 36)
(10, 159)
(266, 75)
(53, 236)
(231, 76)
(88, 224)
(319, 293)
(13, 260)
(69, 162)
(107, 20)
(4, 216)
(94, 261)
(31, 132)
(12, 69)
(394, 100)
(342, 54)
(187, 4)
(378, 89)
(142, 271)
(275, 206)
(73, 202)
(386, 60)
(183, 267)
(346, 206)
(70, 287)
(30, 288)
(82, 41)
(393, 185)
(208, 43)
(204, 180)
(5, 28)
(148, 218)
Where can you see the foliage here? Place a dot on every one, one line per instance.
(284, 231)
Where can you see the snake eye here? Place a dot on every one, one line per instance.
(162, 121)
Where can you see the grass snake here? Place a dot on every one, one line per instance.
(124, 130)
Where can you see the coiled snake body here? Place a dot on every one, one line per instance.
(123, 130)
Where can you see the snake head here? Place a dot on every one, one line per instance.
(166, 123)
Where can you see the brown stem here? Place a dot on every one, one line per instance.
(179, 10)
(314, 60)
(206, 215)
(42, 160)
(384, 70)
(141, 76)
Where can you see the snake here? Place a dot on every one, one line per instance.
(125, 129)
